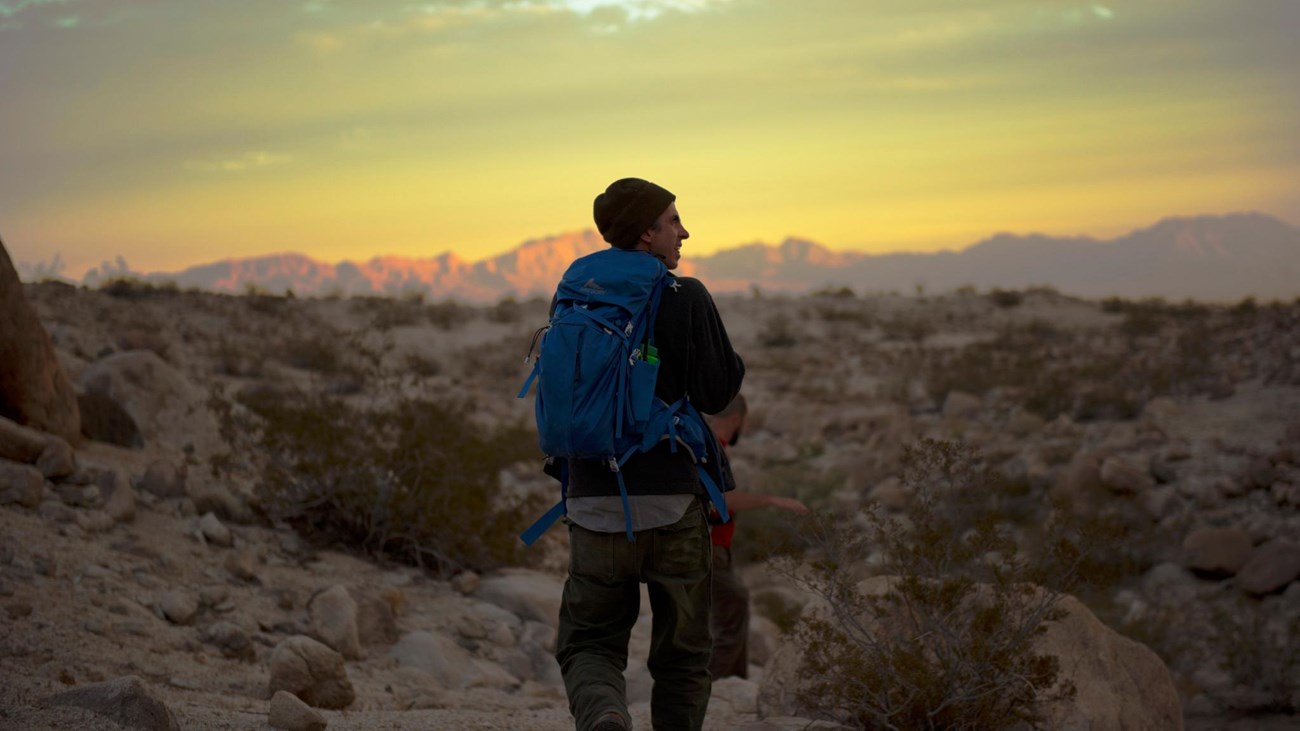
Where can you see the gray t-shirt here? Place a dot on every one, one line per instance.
(604, 513)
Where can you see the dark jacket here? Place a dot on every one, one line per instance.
(696, 359)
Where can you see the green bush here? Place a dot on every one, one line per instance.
(948, 644)
(418, 481)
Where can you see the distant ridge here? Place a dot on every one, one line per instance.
(1221, 258)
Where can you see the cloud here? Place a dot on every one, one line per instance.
(238, 164)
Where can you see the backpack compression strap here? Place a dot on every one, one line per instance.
(535, 531)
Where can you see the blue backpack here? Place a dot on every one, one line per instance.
(596, 371)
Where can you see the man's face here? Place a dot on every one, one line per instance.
(664, 240)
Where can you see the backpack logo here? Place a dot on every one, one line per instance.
(593, 286)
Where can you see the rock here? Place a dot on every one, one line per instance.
(376, 623)
(34, 390)
(119, 496)
(94, 521)
(20, 443)
(231, 639)
(104, 420)
(57, 460)
(435, 654)
(333, 620)
(163, 479)
(215, 531)
(1080, 482)
(177, 607)
(243, 564)
(1126, 475)
(1157, 502)
(1271, 567)
(21, 484)
(1023, 423)
(415, 689)
(169, 410)
(289, 712)
(125, 700)
(466, 582)
(1217, 551)
(448, 663)
(962, 405)
(78, 496)
(889, 493)
(1119, 683)
(529, 594)
(311, 671)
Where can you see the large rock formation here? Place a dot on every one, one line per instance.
(1119, 683)
(34, 390)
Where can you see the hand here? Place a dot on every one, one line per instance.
(790, 504)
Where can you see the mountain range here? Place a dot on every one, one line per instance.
(1223, 258)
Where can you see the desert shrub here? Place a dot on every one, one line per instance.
(417, 481)
(1005, 298)
(130, 288)
(835, 293)
(912, 328)
(319, 353)
(422, 365)
(387, 313)
(948, 643)
(507, 309)
(778, 332)
(448, 314)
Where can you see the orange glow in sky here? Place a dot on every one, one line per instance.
(174, 133)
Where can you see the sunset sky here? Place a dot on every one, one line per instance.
(176, 132)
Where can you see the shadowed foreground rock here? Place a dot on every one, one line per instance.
(311, 671)
(126, 700)
(34, 390)
(1120, 684)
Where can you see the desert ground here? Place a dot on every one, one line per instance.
(179, 546)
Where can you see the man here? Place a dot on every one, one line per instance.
(730, 618)
(671, 552)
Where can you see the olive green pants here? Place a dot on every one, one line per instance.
(601, 601)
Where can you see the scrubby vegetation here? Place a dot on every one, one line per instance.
(417, 481)
(946, 640)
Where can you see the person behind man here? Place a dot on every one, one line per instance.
(671, 551)
(730, 618)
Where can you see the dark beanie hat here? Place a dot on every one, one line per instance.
(627, 208)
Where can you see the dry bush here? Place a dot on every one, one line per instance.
(130, 288)
(418, 481)
(778, 332)
(949, 644)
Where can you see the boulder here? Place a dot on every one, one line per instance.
(169, 410)
(1271, 567)
(125, 700)
(532, 595)
(215, 532)
(448, 663)
(962, 405)
(290, 713)
(1119, 683)
(311, 671)
(333, 620)
(1128, 475)
(20, 443)
(104, 420)
(1217, 551)
(34, 390)
(376, 622)
(57, 460)
(231, 639)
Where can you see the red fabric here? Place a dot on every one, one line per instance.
(722, 533)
